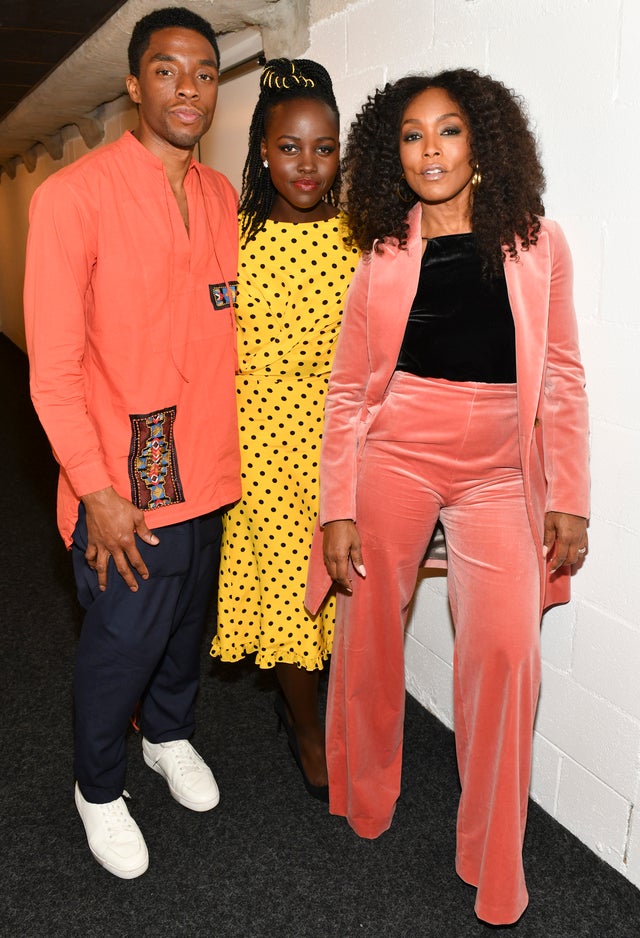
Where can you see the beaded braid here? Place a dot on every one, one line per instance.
(281, 80)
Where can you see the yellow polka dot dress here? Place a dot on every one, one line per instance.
(291, 289)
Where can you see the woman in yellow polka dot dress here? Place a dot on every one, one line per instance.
(294, 272)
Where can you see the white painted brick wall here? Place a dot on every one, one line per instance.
(596, 813)
(576, 64)
(632, 858)
(614, 469)
(602, 650)
(545, 774)
(558, 636)
(598, 735)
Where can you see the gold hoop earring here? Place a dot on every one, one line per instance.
(476, 179)
(403, 198)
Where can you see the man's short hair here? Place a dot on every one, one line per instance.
(167, 18)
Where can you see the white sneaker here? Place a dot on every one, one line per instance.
(114, 837)
(190, 779)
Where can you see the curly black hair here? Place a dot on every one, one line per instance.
(506, 205)
(281, 80)
(166, 18)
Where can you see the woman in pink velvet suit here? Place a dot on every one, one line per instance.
(457, 394)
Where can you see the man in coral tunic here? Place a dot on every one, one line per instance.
(131, 264)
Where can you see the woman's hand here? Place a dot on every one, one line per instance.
(565, 538)
(341, 542)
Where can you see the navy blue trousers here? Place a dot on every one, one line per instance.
(142, 646)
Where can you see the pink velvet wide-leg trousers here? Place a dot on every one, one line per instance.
(441, 449)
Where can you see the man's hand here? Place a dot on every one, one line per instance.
(340, 543)
(565, 538)
(112, 523)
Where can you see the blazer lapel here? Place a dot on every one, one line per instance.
(528, 281)
(392, 288)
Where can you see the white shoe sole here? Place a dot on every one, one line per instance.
(191, 805)
(128, 874)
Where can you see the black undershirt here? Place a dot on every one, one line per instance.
(460, 326)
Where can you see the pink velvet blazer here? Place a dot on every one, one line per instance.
(552, 404)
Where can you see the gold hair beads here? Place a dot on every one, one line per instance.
(271, 78)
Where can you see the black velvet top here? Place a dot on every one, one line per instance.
(460, 326)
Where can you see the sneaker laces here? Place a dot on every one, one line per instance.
(185, 757)
(116, 816)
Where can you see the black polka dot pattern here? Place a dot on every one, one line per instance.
(292, 282)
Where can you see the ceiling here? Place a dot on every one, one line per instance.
(64, 59)
(37, 36)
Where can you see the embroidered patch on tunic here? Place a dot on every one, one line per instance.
(153, 463)
(219, 293)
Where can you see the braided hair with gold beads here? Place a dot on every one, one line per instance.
(281, 80)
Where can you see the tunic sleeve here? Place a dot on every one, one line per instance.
(61, 253)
